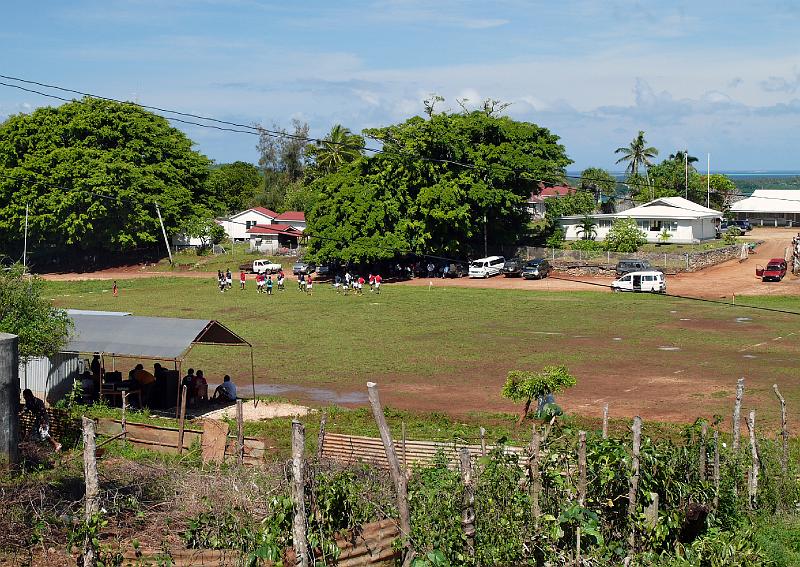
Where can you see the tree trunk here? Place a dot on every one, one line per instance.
(524, 412)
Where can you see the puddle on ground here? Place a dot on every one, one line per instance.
(685, 319)
(743, 319)
(673, 311)
(749, 356)
(668, 348)
(321, 395)
(617, 338)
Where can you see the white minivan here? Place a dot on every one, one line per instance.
(486, 267)
(650, 280)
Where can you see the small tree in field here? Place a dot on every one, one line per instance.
(523, 386)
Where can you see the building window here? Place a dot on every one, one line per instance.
(655, 226)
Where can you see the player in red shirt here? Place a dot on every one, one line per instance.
(378, 281)
(242, 279)
(360, 284)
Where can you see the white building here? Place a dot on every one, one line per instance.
(237, 226)
(685, 221)
(770, 207)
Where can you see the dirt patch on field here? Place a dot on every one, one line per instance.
(264, 410)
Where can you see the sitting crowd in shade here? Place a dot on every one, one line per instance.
(225, 392)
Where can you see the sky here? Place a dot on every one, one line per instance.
(716, 77)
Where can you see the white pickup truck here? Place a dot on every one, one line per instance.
(262, 267)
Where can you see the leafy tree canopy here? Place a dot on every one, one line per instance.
(42, 329)
(395, 203)
(577, 203)
(233, 186)
(523, 386)
(625, 236)
(91, 171)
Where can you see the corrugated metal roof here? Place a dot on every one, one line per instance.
(161, 338)
(769, 201)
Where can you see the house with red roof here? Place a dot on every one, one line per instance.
(237, 226)
(535, 203)
(272, 238)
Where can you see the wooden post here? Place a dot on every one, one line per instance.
(468, 511)
(124, 418)
(737, 410)
(536, 480)
(483, 442)
(605, 421)
(405, 459)
(394, 468)
(9, 400)
(182, 420)
(578, 546)
(581, 467)
(298, 495)
(703, 456)
(240, 432)
(784, 430)
(752, 485)
(321, 436)
(92, 505)
(716, 468)
(651, 511)
(634, 479)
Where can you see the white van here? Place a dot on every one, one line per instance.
(649, 280)
(486, 267)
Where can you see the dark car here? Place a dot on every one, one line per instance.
(324, 271)
(512, 267)
(304, 268)
(744, 225)
(632, 265)
(536, 269)
(455, 270)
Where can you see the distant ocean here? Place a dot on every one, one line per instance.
(731, 173)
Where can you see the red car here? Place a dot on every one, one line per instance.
(775, 270)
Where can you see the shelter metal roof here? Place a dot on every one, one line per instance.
(161, 338)
(770, 201)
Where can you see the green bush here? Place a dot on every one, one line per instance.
(523, 386)
(730, 235)
(556, 240)
(587, 245)
(625, 236)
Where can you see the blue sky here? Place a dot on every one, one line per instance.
(719, 77)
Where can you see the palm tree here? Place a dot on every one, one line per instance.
(587, 228)
(680, 156)
(339, 147)
(637, 154)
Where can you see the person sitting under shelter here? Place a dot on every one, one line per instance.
(41, 421)
(225, 392)
(145, 380)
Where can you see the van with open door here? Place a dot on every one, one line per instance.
(486, 267)
(650, 281)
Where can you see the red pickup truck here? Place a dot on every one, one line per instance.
(775, 270)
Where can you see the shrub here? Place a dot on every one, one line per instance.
(625, 236)
(556, 240)
(730, 235)
(587, 245)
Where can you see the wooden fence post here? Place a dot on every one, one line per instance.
(92, 505)
(784, 430)
(394, 468)
(703, 457)
(468, 511)
(182, 420)
(581, 467)
(124, 417)
(716, 468)
(536, 481)
(321, 437)
(483, 442)
(240, 432)
(405, 459)
(298, 495)
(752, 485)
(605, 421)
(634, 479)
(737, 410)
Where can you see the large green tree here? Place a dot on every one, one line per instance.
(431, 188)
(42, 329)
(602, 184)
(233, 186)
(283, 160)
(91, 172)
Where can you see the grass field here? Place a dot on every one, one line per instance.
(449, 349)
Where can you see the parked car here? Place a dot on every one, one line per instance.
(744, 225)
(648, 281)
(513, 267)
(455, 270)
(775, 270)
(536, 269)
(324, 271)
(261, 267)
(632, 265)
(304, 268)
(486, 267)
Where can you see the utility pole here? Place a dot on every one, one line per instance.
(25, 245)
(485, 237)
(164, 232)
(708, 180)
(686, 173)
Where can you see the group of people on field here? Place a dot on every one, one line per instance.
(350, 282)
(224, 280)
(264, 282)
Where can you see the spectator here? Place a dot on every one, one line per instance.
(200, 390)
(188, 381)
(87, 387)
(225, 392)
(41, 421)
(145, 380)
